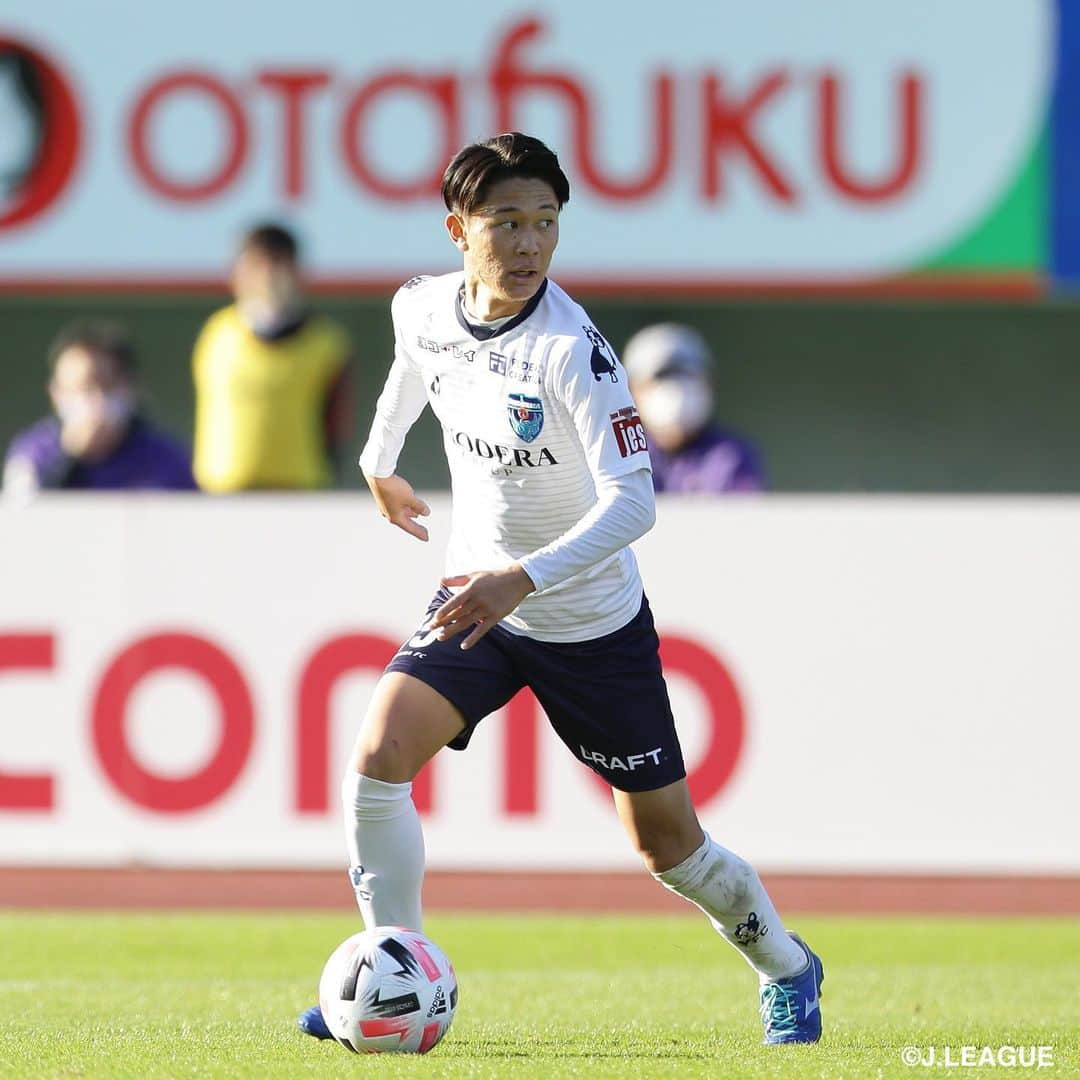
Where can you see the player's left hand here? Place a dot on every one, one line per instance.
(487, 597)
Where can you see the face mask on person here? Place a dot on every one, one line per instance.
(675, 408)
(91, 424)
(112, 409)
(270, 307)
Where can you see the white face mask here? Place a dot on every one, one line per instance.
(113, 409)
(266, 317)
(274, 305)
(676, 408)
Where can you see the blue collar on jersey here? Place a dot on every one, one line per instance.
(486, 333)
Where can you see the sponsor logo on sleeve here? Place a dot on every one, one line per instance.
(629, 432)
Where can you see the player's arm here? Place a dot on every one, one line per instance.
(399, 406)
(613, 439)
(624, 511)
(625, 508)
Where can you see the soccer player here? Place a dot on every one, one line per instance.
(551, 484)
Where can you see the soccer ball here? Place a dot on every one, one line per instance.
(388, 991)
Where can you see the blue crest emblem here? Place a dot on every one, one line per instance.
(526, 416)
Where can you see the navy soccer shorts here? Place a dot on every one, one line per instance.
(605, 698)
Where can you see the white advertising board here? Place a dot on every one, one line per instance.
(860, 685)
(722, 142)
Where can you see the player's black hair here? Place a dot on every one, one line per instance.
(101, 339)
(272, 240)
(470, 176)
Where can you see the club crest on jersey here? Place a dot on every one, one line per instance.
(526, 416)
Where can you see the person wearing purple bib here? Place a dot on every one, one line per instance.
(97, 438)
(668, 367)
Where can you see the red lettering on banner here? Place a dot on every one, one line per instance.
(908, 154)
(230, 108)
(215, 667)
(26, 652)
(442, 92)
(520, 759)
(337, 657)
(62, 139)
(293, 87)
(319, 678)
(728, 126)
(724, 126)
(509, 79)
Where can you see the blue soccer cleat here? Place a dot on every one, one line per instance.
(791, 1008)
(311, 1023)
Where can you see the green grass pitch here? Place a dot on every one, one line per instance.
(207, 995)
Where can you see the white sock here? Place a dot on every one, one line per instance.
(386, 850)
(730, 893)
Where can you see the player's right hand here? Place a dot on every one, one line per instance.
(398, 503)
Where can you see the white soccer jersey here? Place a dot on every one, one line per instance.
(535, 414)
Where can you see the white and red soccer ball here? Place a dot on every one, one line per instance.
(388, 991)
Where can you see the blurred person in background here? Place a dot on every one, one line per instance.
(272, 408)
(669, 368)
(98, 438)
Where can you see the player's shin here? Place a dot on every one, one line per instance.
(386, 850)
(731, 894)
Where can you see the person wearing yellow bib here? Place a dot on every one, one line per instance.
(272, 408)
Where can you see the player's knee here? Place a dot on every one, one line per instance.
(384, 760)
(664, 843)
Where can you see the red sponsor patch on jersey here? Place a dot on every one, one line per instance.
(629, 432)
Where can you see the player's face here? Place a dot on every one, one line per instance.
(507, 243)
